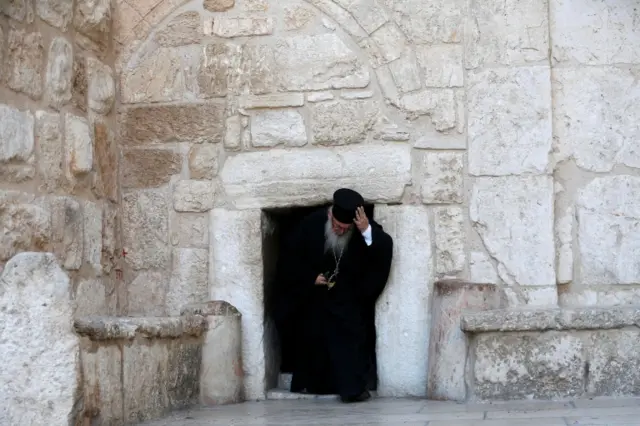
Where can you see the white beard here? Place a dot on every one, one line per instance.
(333, 241)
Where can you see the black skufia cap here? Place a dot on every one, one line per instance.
(345, 203)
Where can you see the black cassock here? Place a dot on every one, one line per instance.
(331, 333)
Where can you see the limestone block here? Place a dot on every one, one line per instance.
(233, 131)
(509, 121)
(274, 100)
(520, 297)
(318, 62)
(105, 184)
(193, 196)
(402, 311)
(203, 161)
(342, 122)
(514, 217)
(91, 298)
(218, 5)
(25, 57)
(614, 363)
(443, 178)
(185, 28)
(564, 243)
(370, 14)
(608, 212)
(436, 22)
(145, 229)
(357, 94)
(391, 42)
(79, 82)
(533, 365)
(103, 392)
(146, 294)
(48, 132)
(261, 72)
(189, 281)
(16, 134)
(105, 328)
(110, 236)
(55, 12)
(163, 75)
(441, 65)
(145, 381)
(37, 340)
(78, 145)
(101, 89)
(297, 17)
(610, 98)
(448, 345)
(26, 226)
(92, 251)
(405, 73)
(149, 168)
(440, 105)
(93, 19)
(238, 27)
(256, 5)
(450, 239)
(190, 230)
(341, 17)
(20, 10)
(481, 270)
(509, 32)
(605, 33)
(221, 380)
(59, 72)
(195, 123)
(216, 70)
(276, 127)
(236, 276)
(67, 226)
(280, 177)
(184, 370)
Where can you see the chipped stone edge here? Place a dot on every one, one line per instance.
(550, 319)
(114, 328)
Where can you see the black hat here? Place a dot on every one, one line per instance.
(345, 203)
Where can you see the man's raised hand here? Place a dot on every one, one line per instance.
(361, 220)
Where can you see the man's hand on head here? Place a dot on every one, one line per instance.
(321, 280)
(361, 220)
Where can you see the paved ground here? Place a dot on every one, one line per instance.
(609, 412)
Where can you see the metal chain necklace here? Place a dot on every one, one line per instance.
(331, 281)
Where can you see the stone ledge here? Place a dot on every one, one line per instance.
(550, 319)
(215, 308)
(113, 328)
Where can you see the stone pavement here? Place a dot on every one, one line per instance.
(410, 412)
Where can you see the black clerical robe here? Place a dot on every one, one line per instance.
(332, 331)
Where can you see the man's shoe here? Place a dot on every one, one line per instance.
(356, 398)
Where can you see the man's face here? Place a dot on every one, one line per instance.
(339, 228)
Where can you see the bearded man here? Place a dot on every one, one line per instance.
(336, 266)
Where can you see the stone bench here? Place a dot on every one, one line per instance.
(553, 354)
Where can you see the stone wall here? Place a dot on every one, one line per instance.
(59, 186)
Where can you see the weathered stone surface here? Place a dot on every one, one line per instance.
(110, 236)
(448, 345)
(391, 42)
(168, 123)
(514, 217)
(518, 366)
(357, 94)
(36, 314)
(443, 178)
(440, 105)
(273, 100)
(507, 33)
(509, 121)
(442, 65)
(25, 57)
(193, 196)
(49, 149)
(564, 244)
(26, 227)
(92, 235)
(184, 370)
(437, 22)
(101, 90)
(342, 122)
(59, 72)
(235, 266)
(16, 134)
(610, 98)
(149, 168)
(190, 230)
(106, 161)
(145, 229)
(55, 12)
(103, 393)
(606, 33)
(218, 5)
(217, 70)
(318, 62)
(297, 17)
(614, 363)
(407, 295)
(520, 296)
(279, 177)
(369, 14)
(256, 5)
(203, 161)
(189, 281)
(261, 73)
(145, 380)
(67, 226)
(405, 73)
(481, 269)
(78, 145)
(185, 28)
(341, 17)
(449, 238)
(146, 294)
(276, 127)
(238, 27)
(90, 298)
(100, 328)
(79, 82)
(233, 131)
(93, 19)
(608, 211)
(20, 10)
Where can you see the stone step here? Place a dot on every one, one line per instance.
(284, 384)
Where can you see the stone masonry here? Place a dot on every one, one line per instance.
(498, 141)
